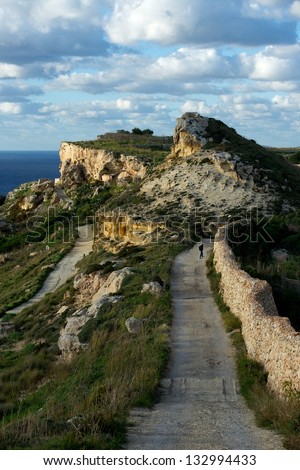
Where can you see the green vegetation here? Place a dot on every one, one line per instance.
(270, 163)
(152, 149)
(30, 255)
(89, 199)
(271, 412)
(295, 158)
(84, 404)
(138, 131)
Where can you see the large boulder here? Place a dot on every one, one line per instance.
(134, 325)
(153, 287)
(6, 328)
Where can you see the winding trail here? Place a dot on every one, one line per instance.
(65, 269)
(199, 407)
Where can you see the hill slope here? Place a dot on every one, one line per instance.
(73, 365)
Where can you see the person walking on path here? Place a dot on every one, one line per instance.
(201, 250)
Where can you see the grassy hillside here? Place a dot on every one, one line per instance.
(47, 404)
(152, 149)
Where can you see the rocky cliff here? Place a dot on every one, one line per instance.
(80, 165)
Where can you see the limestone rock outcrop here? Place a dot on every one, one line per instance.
(190, 134)
(120, 227)
(80, 165)
(30, 198)
(93, 291)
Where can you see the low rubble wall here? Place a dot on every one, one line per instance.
(269, 338)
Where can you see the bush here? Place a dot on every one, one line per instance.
(137, 131)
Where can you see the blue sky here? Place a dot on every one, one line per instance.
(72, 69)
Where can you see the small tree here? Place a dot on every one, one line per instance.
(137, 131)
(148, 131)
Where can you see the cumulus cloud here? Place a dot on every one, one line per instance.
(197, 21)
(17, 91)
(288, 102)
(10, 70)
(273, 63)
(10, 108)
(191, 63)
(275, 9)
(45, 16)
(188, 70)
(32, 30)
(295, 9)
(144, 63)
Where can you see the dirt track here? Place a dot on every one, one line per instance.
(199, 407)
(65, 269)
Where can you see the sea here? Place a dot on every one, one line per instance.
(17, 167)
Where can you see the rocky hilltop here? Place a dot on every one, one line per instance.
(209, 169)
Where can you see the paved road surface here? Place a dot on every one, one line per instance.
(65, 269)
(199, 407)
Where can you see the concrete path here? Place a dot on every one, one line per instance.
(199, 407)
(65, 269)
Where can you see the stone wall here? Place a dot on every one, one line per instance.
(269, 338)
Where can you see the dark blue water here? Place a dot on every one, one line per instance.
(17, 167)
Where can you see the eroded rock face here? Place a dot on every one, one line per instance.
(190, 134)
(81, 165)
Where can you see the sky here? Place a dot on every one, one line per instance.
(73, 69)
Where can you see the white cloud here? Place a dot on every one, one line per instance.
(39, 31)
(126, 105)
(55, 54)
(287, 102)
(188, 70)
(25, 15)
(274, 63)
(10, 70)
(16, 91)
(196, 106)
(295, 9)
(10, 108)
(275, 9)
(191, 63)
(195, 21)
